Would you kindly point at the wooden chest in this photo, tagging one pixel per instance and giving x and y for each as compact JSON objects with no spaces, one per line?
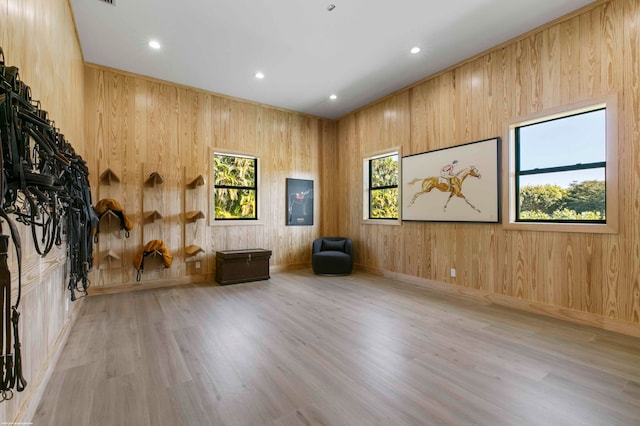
{"x":238,"y":266}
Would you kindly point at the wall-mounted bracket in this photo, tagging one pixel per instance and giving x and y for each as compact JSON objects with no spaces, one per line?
{"x":108,"y":177}
{"x":197,"y":181}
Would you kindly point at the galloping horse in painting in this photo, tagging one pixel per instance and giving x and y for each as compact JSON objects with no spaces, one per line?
{"x":454,"y":186}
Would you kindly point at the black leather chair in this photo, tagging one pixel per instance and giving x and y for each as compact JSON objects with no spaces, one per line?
{"x":332,"y":256}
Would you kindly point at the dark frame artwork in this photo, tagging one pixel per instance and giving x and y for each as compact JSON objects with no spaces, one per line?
{"x":456,"y":184}
{"x":299,"y":202}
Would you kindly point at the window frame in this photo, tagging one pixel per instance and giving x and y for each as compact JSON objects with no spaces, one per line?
{"x":511,"y":164}
{"x":235,"y":221}
{"x":367,"y":187}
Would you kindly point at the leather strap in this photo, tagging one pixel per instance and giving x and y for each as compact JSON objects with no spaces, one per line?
{"x":11,"y":363}
{"x":42,"y":182}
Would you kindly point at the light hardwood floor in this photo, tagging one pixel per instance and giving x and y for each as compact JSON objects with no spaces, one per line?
{"x":358,"y":350}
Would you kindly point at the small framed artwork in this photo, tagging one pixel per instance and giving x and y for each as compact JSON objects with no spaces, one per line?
{"x":299,"y":202}
{"x":457,"y":184}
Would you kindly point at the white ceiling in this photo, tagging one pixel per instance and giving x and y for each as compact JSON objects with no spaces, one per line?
{"x":359,"y":51}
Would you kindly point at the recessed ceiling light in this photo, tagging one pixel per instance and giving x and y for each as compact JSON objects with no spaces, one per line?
{"x":415,"y":50}
{"x":154,"y":44}
{"x":259,"y":75}
{"x":333,"y":97}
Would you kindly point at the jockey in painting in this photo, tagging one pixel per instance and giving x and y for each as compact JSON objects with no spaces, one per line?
{"x":446,"y":172}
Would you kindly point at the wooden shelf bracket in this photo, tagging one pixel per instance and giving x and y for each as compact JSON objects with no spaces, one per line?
{"x":197,"y":181}
{"x":193,"y":250}
{"x":108,"y":214}
{"x":110,"y":260}
{"x":194,"y":215}
{"x":154,"y":179}
{"x":150,"y":217}
{"x":108,"y":177}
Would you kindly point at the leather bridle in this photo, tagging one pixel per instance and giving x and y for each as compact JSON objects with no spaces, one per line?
{"x":44,"y":185}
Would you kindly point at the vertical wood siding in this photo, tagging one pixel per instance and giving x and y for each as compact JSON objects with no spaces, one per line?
{"x":592,"y":54}
{"x":139,"y":126}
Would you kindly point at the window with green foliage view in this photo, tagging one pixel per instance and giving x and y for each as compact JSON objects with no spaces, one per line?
{"x":383,"y":187}
{"x":561,"y":168}
{"x":235,"y":187}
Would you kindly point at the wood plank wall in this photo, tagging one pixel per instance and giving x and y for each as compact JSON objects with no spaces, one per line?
{"x":39,"y":37}
{"x":591,"y":54}
{"x":138,"y":125}
{"x":135,"y":124}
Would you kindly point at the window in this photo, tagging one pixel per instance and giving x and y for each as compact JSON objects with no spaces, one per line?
{"x":235,"y":187}
{"x":563,"y":169}
{"x":380,"y":178}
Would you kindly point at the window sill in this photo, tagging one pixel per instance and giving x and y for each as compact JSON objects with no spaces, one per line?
{"x":386,"y":222}
{"x":236,"y":223}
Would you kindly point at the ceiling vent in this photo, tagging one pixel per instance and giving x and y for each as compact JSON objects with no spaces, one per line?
{"x":111,"y":2}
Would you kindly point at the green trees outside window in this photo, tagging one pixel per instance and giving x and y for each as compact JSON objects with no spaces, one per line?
{"x":235,"y":187}
{"x":383,"y":187}
{"x":582,"y":201}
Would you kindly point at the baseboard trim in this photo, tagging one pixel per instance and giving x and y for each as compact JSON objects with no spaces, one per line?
{"x":285,"y":268}
{"x":147,"y":285}
{"x":572,"y":315}
{"x":196,"y":279}
{"x":37,"y":386}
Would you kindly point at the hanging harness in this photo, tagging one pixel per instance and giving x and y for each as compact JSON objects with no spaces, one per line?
{"x":152,"y":247}
{"x":10,"y":363}
{"x":81,"y":223}
{"x":44,"y":185}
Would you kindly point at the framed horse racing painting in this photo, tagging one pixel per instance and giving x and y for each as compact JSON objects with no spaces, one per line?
{"x":299,"y":202}
{"x":456,"y":184}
